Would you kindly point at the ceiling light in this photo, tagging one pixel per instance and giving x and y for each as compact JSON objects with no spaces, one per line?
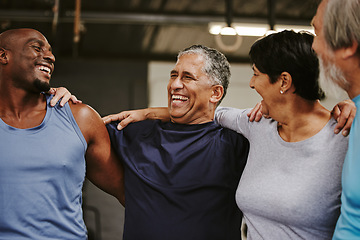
{"x":252,"y":29}
{"x":228,"y":31}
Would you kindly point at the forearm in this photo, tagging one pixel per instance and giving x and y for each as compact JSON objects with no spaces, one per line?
{"x":161,"y":113}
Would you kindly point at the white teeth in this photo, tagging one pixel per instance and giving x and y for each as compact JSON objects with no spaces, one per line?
{"x":179,"y":97}
{"x":45,"y":69}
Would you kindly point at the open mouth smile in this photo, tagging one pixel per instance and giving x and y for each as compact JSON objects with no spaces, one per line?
{"x":179,"y":98}
{"x":45,"y":69}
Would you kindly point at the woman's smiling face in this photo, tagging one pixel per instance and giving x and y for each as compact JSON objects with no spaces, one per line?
{"x":268,"y":91}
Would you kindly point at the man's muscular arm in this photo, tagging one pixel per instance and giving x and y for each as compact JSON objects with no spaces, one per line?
{"x":103,"y":168}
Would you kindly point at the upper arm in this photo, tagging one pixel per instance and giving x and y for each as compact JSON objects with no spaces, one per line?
{"x":103,"y":167}
{"x":233,"y":118}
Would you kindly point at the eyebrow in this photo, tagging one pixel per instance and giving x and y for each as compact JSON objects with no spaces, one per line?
{"x":185,"y":72}
{"x":189,"y":73}
{"x":40,"y":42}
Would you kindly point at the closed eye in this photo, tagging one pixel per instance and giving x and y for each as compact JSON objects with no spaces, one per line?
{"x":188,"y":77}
{"x":37,"y":48}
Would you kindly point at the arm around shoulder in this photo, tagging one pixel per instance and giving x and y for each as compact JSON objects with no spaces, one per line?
{"x":127,"y":117}
{"x":231,"y":118}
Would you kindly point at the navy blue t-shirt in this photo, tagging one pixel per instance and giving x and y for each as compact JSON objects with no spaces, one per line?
{"x":180,"y":180}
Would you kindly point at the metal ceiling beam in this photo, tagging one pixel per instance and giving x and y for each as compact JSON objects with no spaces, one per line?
{"x":132,"y":18}
{"x":271,"y":13}
{"x":229,"y":12}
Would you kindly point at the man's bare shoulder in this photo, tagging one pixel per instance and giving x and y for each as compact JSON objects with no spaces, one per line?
{"x":83,"y":111}
{"x":88,"y":120}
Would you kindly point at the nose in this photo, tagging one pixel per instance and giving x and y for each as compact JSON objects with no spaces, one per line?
{"x":251,"y":83}
{"x":49,"y":56}
{"x":175,"y":83}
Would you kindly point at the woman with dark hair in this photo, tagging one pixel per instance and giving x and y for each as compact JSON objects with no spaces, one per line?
{"x":291,"y":185}
{"x":289,"y":52}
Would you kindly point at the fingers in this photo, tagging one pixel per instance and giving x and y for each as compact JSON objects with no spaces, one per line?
{"x":74,"y":99}
{"x":52,"y":91}
{"x":111,"y":118}
{"x":336,"y":113}
{"x":252,"y":113}
{"x":345,"y":121}
{"x":344,"y":113}
{"x":65,"y":98}
{"x":106,"y":120}
{"x":345,"y":132}
{"x":259,"y":115}
{"x":125,"y":118}
{"x":60,"y":93}
{"x":124,"y":123}
{"x":255,"y":114}
{"x":63,"y":94}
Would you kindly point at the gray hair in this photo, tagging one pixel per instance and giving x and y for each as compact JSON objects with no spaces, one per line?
{"x":342,"y":23}
{"x":216,"y":66}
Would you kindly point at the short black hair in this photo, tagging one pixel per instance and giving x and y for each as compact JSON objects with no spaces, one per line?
{"x":291,"y":52}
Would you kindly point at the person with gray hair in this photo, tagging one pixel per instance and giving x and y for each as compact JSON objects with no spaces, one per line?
{"x":181,"y":176}
{"x":337,"y":43}
{"x":216,"y":65}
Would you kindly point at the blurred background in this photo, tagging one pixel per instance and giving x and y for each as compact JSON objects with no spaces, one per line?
{"x":117,"y":55}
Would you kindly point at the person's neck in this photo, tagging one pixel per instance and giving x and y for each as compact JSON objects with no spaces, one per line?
{"x":189,"y":120}
{"x":21,"y":109}
{"x":353,"y":79}
{"x":302,"y":120}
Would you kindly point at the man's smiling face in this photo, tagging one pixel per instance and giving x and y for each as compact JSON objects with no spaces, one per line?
{"x":31,"y":61}
{"x":189,"y":91}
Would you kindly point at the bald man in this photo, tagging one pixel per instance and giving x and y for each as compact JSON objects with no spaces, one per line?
{"x":45,"y":152}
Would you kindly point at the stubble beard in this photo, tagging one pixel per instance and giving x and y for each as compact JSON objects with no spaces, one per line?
{"x":42,"y":86}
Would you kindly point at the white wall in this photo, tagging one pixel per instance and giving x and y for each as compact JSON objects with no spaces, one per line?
{"x":239,"y":94}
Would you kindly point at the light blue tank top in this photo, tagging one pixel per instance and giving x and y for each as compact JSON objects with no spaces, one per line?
{"x":42,"y":170}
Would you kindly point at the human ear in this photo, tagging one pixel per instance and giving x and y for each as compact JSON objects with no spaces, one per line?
{"x":3,"y":56}
{"x":285,"y":81}
{"x":217,"y":93}
{"x":350,"y":51}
